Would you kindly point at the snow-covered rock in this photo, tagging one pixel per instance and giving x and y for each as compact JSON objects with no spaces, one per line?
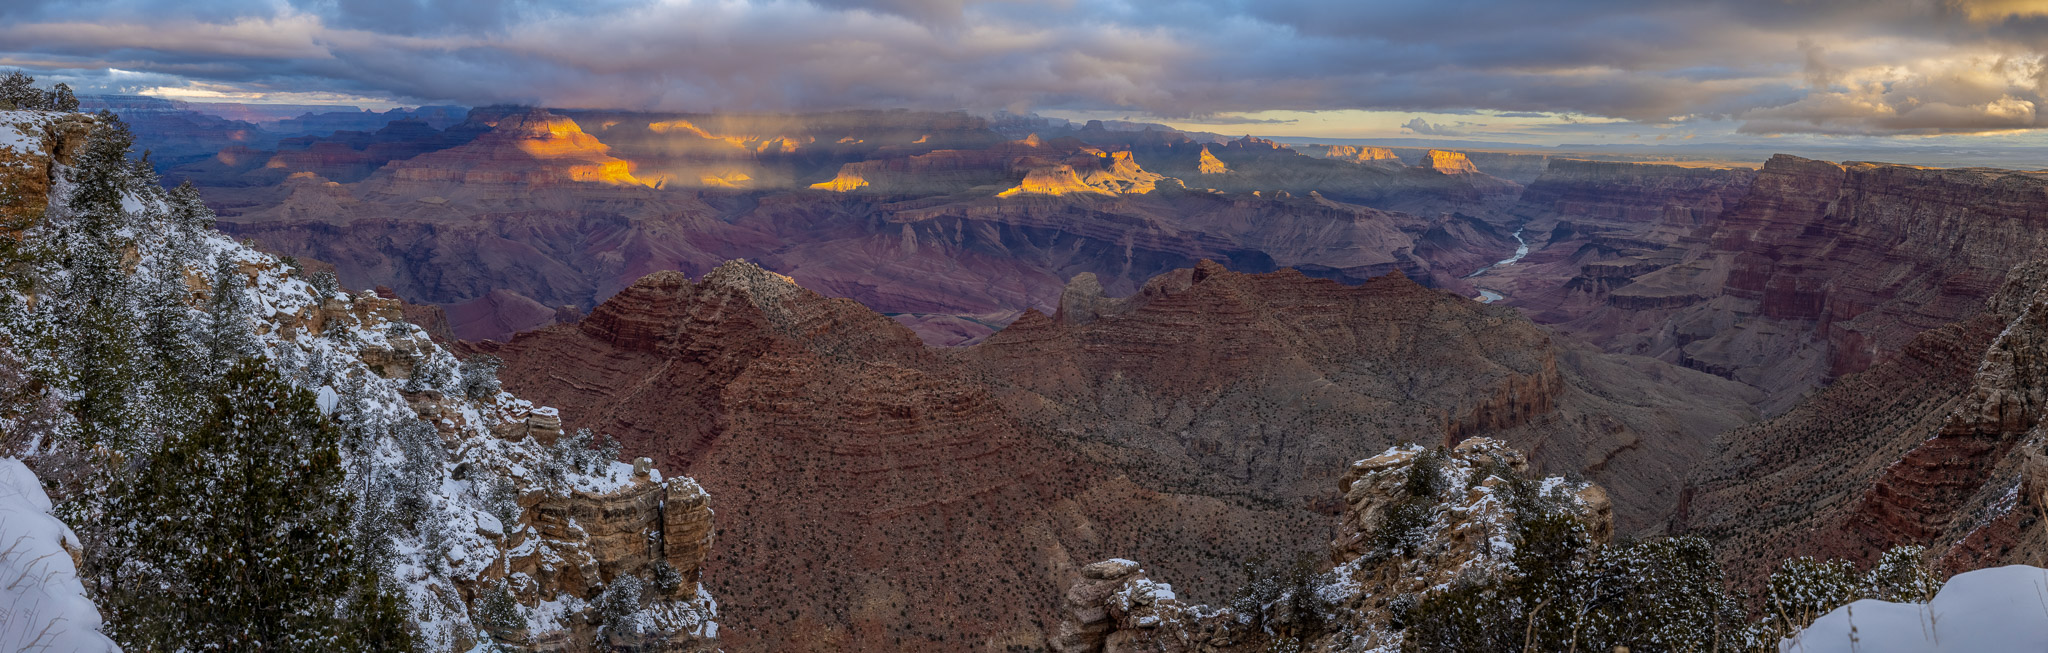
{"x":43,"y":606}
{"x":484,"y":472}
{"x":1989,"y":610}
{"x":1454,"y":516}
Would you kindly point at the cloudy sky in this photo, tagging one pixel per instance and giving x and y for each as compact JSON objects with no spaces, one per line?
{"x":1943,"y":71}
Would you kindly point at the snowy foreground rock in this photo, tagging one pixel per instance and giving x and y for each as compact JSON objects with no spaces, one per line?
{"x":501,"y":529}
{"x":1996,"y":609}
{"x":1456,"y":521}
{"x":43,"y":606}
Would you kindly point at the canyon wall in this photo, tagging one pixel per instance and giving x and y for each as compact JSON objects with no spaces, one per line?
{"x":1817,"y":271}
{"x":1940,"y":445}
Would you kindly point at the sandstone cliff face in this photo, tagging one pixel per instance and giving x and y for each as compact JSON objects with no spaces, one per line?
{"x":1361,"y":154}
{"x":1515,"y":167}
{"x":1115,"y":607}
{"x":40,"y":144}
{"x":566,"y":549}
{"x":1445,"y":162}
{"x":1208,"y":164}
{"x":1939,"y":445}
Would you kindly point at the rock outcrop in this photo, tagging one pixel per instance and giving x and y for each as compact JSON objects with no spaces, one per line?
{"x":1362,"y":154}
{"x":1208,"y":164}
{"x":1116,"y":607}
{"x":574,"y":532}
{"x":38,"y":144}
{"x":1445,"y":162}
{"x":1517,"y":167}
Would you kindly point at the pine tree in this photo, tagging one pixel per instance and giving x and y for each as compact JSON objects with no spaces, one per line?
{"x":480,"y":377}
{"x":228,"y":338}
{"x":1902,"y":575}
{"x":18,"y":91}
{"x":242,"y":529}
{"x":1803,"y":589}
{"x":61,"y":98}
{"x":100,"y":347}
{"x":169,"y":355}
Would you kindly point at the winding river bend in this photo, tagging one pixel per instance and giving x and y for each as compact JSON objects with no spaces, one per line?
{"x":1521,"y":250}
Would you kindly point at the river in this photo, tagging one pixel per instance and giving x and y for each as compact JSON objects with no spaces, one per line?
{"x":1521,"y":250}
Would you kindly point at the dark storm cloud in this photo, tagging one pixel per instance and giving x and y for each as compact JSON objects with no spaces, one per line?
{"x":1818,"y":66}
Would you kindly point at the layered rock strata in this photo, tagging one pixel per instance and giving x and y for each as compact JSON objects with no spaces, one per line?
{"x":1940,"y":445}
{"x":1822,"y":269}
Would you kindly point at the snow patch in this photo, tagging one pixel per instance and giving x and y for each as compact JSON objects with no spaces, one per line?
{"x":1996,"y":609}
{"x":42,"y":603}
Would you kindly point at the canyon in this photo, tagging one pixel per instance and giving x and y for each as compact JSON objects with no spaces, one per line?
{"x":932,"y":217}
{"x":1007,"y":348}
{"x":1197,"y":422}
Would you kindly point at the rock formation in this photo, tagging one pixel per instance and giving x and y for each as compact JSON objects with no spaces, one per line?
{"x":38,"y":144}
{"x":1513,"y":166}
{"x":1208,"y":164}
{"x":1115,"y":607}
{"x":569,"y":538}
{"x":1448,"y":163}
{"x":840,"y":447}
{"x":1361,"y":154}
{"x":1101,"y":173}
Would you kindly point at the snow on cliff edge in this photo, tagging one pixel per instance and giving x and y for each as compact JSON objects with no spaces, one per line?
{"x":42,"y":604}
